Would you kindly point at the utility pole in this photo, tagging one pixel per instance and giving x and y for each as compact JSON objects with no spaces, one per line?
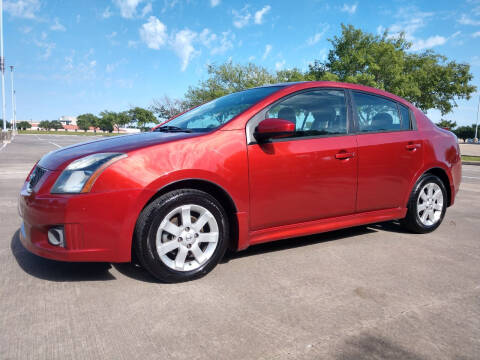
{"x":2,"y":66}
{"x":14,"y":105}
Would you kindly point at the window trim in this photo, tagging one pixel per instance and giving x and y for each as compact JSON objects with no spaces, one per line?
{"x":263,"y":112}
{"x":413,"y":126}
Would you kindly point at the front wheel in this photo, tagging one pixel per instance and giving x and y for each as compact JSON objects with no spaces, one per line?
{"x":181,"y":235}
{"x":427,"y":205}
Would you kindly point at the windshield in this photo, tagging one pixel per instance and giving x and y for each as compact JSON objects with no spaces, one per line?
{"x":215,"y":113}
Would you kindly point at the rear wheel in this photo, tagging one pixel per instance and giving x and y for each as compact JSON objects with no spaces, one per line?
{"x":181,"y":235}
{"x":427,"y":205}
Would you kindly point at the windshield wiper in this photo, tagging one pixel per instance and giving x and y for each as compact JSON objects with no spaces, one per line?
{"x":169,"y":128}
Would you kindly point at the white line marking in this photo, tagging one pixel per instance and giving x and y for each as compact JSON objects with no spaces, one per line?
{"x":3,"y":146}
{"x":54,"y":144}
{"x":471,"y":177}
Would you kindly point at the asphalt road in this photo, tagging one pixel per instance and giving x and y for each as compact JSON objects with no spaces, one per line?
{"x":367,"y":292}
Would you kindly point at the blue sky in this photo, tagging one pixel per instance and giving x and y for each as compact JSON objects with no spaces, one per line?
{"x":73,"y":57}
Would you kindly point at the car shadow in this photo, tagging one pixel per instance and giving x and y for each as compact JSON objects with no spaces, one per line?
{"x":287,"y":244}
{"x":52,"y":270}
{"x":369,"y":346}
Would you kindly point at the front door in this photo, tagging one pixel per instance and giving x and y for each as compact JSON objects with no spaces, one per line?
{"x":311,"y":175}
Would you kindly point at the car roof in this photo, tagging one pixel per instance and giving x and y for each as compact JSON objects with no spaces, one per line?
{"x":338,"y":84}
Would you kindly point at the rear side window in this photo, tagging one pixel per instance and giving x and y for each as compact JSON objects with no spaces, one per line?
{"x":405,"y":114}
{"x":376,"y":114}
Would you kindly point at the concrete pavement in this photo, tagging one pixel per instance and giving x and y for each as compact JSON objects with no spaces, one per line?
{"x":362,"y":293}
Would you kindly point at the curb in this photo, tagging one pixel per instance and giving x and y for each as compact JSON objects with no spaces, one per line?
{"x":471,"y":163}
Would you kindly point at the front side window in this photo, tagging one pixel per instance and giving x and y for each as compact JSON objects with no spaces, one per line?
{"x":376,"y":114}
{"x":215,"y":113}
{"x":318,"y":112}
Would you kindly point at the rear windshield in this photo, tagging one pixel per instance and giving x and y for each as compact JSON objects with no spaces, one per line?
{"x":217,"y":112}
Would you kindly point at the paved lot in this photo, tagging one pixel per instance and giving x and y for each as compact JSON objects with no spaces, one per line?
{"x":470,"y":149}
{"x":368,"y":292}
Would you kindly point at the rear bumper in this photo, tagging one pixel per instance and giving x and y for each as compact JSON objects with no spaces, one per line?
{"x":98,"y":227}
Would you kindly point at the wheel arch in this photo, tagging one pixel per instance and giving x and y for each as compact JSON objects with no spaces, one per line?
{"x":213,"y":189}
{"x":442,"y":174}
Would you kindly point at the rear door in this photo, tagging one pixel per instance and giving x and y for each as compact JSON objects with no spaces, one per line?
{"x":309,"y":176}
{"x":389,"y":151}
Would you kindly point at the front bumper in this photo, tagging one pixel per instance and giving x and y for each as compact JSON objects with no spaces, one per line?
{"x":98,"y":226}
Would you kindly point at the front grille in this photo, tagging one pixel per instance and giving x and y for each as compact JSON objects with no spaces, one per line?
{"x":36,"y":175}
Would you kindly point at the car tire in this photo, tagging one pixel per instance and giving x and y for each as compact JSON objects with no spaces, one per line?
{"x":181,"y":235}
{"x":426,"y":206}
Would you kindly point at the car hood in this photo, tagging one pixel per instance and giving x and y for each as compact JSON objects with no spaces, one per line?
{"x":59,"y":158}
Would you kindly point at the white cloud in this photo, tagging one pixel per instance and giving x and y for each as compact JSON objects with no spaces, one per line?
{"x":107,"y":13}
{"x":154,"y":33}
{"x":22,"y":8}
{"x":476,"y":34}
{"x":111,"y":37}
{"x":57,"y":26}
{"x":420,"y":44}
{"x":113,"y":66}
{"x":132,"y":44}
{"x":183,"y":47}
{"x":147,"y":9}
{"x":260,"y":13}
{"x":268,"y":49}
{"x":128,"y":8}
{"x":412,"y":20}
{"x":351,"y":9}
{"x":45,"y":45}
{"x":466,"y":20}
{"x":214,"y":3}
{"x":279,"y":65}
{"x":207,"y":37}
{"x":184,"y":42}
{"x":226,"y":43}
{"x":241,"y":18}
{"x":316,"y":37}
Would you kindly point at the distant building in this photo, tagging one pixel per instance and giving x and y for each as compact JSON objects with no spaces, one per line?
{"x":68,"y":120}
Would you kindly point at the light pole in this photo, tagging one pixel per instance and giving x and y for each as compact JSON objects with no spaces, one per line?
{"x":14,"y":106}
{"x":2,"y":66}
{"x":476,"y":128}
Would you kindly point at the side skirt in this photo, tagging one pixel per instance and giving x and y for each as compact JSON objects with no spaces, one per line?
{"x":324,"y":225}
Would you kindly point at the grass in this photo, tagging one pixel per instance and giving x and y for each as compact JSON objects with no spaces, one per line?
{"x":82,"y":133}
{"x":470,"y":158}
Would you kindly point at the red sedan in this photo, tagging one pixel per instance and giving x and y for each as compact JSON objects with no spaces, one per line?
{"x":258,"y":165}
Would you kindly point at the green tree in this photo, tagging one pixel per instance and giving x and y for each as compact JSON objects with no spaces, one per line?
{"x":142,"y":117}
{"x":290,"y":75}
{"x":121,"y":119}
{"x":23,"y":125}
{"x":447,"y":124}
{"x":106,"y":120}
{"x":85,"y":121}
{"x":225,"y":79}
{"x":465,"y":132}
{"x":44,"y":124}
{"x":166,"y":108}
{"x":426,"y":79}
{"x":55,"y":124}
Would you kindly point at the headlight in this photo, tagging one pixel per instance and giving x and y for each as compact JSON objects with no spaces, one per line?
{"x":80,"y":175}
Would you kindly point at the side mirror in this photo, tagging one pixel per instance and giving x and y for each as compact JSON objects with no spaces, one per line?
{"x":274,"y":128}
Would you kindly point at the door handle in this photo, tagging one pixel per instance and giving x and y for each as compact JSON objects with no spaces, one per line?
{"x":344,"y":155}
{"x":412,"y":146}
